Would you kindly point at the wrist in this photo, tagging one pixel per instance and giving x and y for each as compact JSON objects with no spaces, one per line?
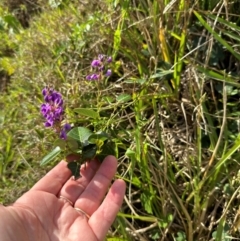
{"x":11,"y":225}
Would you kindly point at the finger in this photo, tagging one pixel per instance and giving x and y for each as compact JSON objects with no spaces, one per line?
{"x":94,"y":193}
{"x":53,"y":181}
{"x":102,"y":219}
{"x":72,"y":189}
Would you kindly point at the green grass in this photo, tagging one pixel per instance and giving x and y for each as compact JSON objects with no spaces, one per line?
{"x":171,"y":106}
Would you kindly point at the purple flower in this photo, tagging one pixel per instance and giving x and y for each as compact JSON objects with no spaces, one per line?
{"x":45,"y":109}
{"x":65,"y":129}
{"x":63,"y":135}
{"x":100,"y":65}
{"x":95,"y":76}
{"x":109,"y":60}
{"x":96,"y":63}
{"x":49,"y":123}
{"x":89,"y":77}
{"x":108,"y":73}
{"x":44,"y":91}
{"x":56,"y":97}
{"x":53,"y":111}
{"x":101,"y":68}
{"x":101,"y":57}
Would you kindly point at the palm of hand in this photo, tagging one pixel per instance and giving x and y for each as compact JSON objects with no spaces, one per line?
{"x":53,"y":219}
{"x":47,"y":217}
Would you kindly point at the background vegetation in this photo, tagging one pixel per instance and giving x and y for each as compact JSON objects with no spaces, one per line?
{"x":171,"y":105}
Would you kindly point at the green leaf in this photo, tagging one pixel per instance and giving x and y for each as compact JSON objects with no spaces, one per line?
{"x":106,"y":150}
{"x":87,"y":112}
{"x":50,"y":156}
{"x":225,"y":22}
{"x":73,"y":145}
{"x":135,"y":81}
{"x":155,"y":235}
{"x":60,"y":142}
{"x":220,"y":75}
{"x":89,"y":152}
{"x":181,"y":236}
{"x":222,"y":231}
{"x":124,"y":98}
{"x":130,"y":153}
{"x":162,"y":73}
{"x":225,"y":157}
{"x":216,"y":35}
{"x":40,"y":133}
{"x":135,"y":181}
{"x":108,"y":99}
{"x":12,"y":22}
{"x":146,"y":199}
{"x":117,"y":39}
{"x":80,"y":134}
{"x":229,"y":153}
{"x":74,"y":167}
{"x":100,"y":136}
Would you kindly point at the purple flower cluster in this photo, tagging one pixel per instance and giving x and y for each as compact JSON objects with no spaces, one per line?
{"x":100,"y":67}
{"x":53,"y":111}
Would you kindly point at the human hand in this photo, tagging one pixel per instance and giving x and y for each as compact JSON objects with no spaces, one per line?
{"x":41,"y":215}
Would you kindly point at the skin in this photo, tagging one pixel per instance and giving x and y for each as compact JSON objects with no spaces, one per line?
{"x":40,"y":215}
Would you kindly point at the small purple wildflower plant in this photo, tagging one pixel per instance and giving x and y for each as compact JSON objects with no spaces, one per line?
{"x":100,"y":66}
{"x":81,"y":144}
{"x":53,"y":111}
